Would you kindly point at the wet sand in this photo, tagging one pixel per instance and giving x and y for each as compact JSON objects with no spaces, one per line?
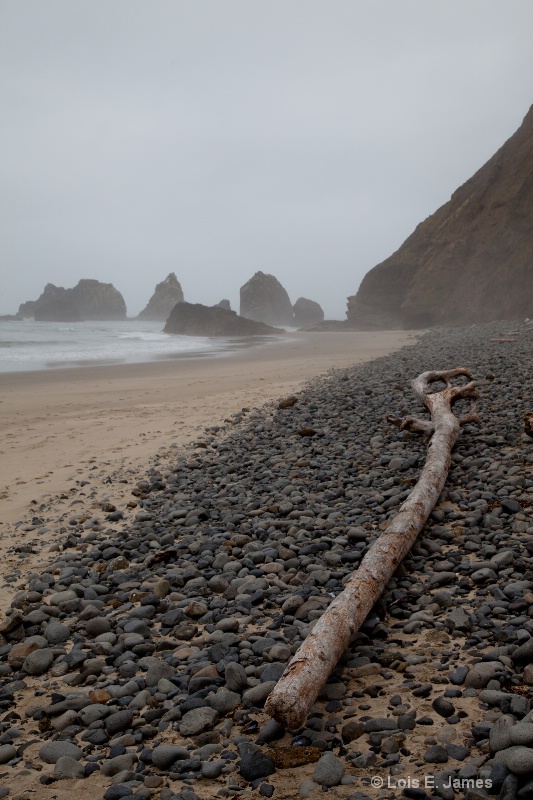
{"x":59,"y":424}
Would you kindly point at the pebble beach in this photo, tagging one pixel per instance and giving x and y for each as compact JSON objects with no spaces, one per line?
{"x":141,"y":638}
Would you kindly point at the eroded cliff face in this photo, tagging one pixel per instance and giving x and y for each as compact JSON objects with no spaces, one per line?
{"x":166,"y":295}
{"x":471,"y":261}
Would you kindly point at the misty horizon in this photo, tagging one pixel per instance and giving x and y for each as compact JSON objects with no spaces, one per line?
{"x":215,"y":140}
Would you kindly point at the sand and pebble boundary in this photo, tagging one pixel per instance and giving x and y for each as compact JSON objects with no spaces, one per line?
{"x":137,"y":662}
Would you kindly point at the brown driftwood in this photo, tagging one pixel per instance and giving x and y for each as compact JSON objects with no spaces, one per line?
{"x":307,"y":672}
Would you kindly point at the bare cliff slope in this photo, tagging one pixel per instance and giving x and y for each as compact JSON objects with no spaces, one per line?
{"x":470,"y":261}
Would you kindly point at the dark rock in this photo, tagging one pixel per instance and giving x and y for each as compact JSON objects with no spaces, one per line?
{"x":52,"y":751}
{"x":436,"y":754}
{"x":443,"y":707}
{"x":120,"y":721}
{"x":189,"y":319}
{"x":88,"y":300}
{"x":166,"y":295}
{"x":254,"y":763}
{"x":329,"y":770}
{"x":38,"y":662}
{"x":264,"y":299}
{"x":306,"y":313}
{"x":164,"y":755}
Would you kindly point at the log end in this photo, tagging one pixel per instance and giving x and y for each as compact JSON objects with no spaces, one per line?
{"x":290,"y":715}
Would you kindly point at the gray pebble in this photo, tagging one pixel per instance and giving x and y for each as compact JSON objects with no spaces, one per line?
{"x":7,"y":753}
{"x":329,"y":770}
{"x":38,"y":662}
{"x":52,"y":751}
{"x":164,"y":755}
{"x":68,"y":767}
{"x":197,"y":721}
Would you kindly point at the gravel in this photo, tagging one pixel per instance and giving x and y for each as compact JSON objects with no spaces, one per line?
{"x":152,"y":640}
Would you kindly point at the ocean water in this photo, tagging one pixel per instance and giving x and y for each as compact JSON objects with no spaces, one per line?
{"x":29,"y":345}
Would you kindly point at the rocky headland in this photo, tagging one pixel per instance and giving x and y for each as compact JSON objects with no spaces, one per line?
{"x":140,"y":644}
{"x":88,"y":300}
{"x":195,"y":319}
{"x":470,"y":261}
{"x":166,"y":295}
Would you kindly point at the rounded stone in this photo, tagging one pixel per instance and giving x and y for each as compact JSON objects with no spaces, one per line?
{"x":7,"y":753}
{"x":329,"y":770}
{"x":443,"y":707}
{"x":38,"y":662}
{"x":118,"y":722}
{"x":212,"y":769}
{"x":156,"y":672}
{"x":197,"y":721}
{"x":68,"y":767}
{"x":517,"y":759}
{"x":255,"y":763}
{"x":118,"y":764}
{"x":164,"y":755}
{"x":56,"y":633}
{"x":436,"y":754}
{"x":51,"y":752}
{"x":522,"y":733}
{"x":97,"y":625}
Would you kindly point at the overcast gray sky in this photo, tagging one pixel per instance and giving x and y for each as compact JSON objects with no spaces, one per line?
{"x":215,"y":138}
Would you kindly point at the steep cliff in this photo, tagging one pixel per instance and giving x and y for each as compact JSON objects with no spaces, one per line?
{"x":166,"y":295}
{"x":89,"y":300}
{"x":264,"y":299}
{"x":471,"y":261}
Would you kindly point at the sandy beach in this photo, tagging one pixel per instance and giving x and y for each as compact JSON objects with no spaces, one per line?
{"x":62,"y":426}
{"x":161,"y":575}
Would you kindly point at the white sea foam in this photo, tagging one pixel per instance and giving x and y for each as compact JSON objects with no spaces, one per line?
{"x":30,"y":345}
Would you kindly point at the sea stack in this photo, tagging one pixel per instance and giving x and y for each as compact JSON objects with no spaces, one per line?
{"x":264,"y":299}
{"x":166,"y":295}
{"x":195,"y":319}
{"x":88,"y":300}
{"x":307,"y":313}
{"x":469,"y":262}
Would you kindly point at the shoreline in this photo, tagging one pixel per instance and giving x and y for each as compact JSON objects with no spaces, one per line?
{"x":61,"y":423}
{"x":171,"y":624}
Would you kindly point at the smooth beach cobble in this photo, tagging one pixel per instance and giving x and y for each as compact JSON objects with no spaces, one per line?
{"x":152,"y":640}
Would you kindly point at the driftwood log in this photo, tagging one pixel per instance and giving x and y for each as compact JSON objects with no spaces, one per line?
{"x":307,"y":672}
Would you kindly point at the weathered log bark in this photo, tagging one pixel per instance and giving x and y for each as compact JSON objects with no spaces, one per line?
{"x":290,"y":701}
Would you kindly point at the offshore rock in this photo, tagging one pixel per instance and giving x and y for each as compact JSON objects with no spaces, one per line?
{"x":306,"y":313}
{"x":264,"y":299}
{"x":470,"y":261}
{"x":166,"y":295}
{"x":89,"y":300}
{"x":195,"y":319}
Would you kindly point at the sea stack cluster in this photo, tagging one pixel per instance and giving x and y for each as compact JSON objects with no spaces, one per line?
{"x":137,"y":662}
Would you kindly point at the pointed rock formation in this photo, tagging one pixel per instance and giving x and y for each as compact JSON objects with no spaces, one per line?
{"x":471,"y":261}
{"x":306,"y":313}
{"x":264,"y":299}
{"x":194,"y":319}
{"x":165,"y":296}
{"x":89,"y":300}
{"x":224,"y":304}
